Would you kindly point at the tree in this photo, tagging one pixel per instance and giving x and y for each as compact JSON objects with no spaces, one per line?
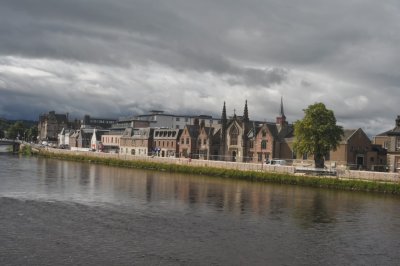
{"x":31,"y":134}
{"x":16,"y":130}
{"x":317,"y":133}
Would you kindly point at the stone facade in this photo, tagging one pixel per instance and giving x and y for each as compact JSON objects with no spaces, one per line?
{"x":165,"y":142}
{"x":391,"y":141}
{"x":110,"y":142}
{"x":357,"y":151}
{"x":243,"y":140}
{"x":50,"y":125}
{"x":137,"y":141}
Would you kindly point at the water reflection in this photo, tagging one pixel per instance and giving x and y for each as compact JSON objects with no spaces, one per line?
{"x":95,"y":183}
{"x":231,"y":221}
{"x":117,"y":185}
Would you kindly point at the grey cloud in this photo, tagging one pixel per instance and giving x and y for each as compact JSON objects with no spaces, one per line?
{"x":331,"y":51}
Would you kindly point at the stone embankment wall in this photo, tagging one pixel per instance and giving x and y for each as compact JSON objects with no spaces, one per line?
{"x":345,"y":174}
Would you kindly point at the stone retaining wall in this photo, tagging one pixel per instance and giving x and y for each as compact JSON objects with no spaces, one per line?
{"x":345,"y":174}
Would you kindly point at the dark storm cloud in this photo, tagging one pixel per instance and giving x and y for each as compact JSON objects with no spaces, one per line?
{"x":118,"y":57}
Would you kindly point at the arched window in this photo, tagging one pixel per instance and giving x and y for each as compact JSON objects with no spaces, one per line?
{"x":234,"y":133}
{"x":263,"y":144}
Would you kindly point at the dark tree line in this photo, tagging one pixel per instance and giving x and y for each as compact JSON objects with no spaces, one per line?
{"x":18,"y":130}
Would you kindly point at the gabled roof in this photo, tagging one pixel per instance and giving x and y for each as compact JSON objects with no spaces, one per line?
{"x":194,"y":130}
{"x":349,"y":133}
{"x":286,"y":132}
{"x":208,"y":130}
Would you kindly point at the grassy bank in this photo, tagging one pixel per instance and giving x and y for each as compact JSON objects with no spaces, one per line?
{"x":310,"y":181}
{"x":25,"y":150}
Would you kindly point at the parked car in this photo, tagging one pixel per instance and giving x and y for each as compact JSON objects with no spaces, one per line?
{"x":276,"y":162}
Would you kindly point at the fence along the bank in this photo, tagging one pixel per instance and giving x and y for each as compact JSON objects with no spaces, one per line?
{"x":345,"y":174}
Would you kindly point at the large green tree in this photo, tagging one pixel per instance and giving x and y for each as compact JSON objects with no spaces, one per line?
{"x":317,"y":133}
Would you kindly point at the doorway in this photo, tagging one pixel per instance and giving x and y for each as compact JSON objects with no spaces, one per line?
{"x":360,"y":161}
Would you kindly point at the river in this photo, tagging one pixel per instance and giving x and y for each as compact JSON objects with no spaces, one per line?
{"x":57,"y":212}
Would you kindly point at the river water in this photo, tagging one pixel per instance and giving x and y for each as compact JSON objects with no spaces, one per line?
{"x":67,"y":213}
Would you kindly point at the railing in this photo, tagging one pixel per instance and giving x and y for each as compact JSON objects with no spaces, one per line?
{"x":342,"y":174}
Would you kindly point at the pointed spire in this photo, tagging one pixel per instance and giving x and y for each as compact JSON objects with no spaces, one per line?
{"x":282,"y":113}
{"x":281,"y":119}
{"x":224,"y":120}
{"x":245,"y":113}
{"x":223,"y":117}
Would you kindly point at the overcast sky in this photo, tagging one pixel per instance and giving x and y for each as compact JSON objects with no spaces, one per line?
{"x":126,"y":57}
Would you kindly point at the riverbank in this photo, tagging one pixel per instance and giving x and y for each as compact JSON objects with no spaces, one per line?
{"x":286,"y":176}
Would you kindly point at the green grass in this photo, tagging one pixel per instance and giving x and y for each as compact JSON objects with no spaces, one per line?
{"x":254,"y":176}
{"x":25,"y":150}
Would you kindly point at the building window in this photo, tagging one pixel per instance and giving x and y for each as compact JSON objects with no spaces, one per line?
{"x":305,"y":156}
{"x":264,"y":133}
{"x":186,"y":119}
{"x":187,"y":140}
{"x":178,"y":119}
{"x":263,"y":144}
{"x":204,"y":141}
{"x":182,"y":141}
{"x":234,"y":135}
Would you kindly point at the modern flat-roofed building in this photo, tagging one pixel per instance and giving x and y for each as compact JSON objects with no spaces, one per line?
{"x":159,"y":119}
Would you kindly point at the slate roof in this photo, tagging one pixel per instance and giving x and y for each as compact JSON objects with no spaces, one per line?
{"x":394,"y":131}
{"x":347,"y":135}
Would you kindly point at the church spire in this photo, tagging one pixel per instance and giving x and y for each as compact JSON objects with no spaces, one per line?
{"x":223,"y":117}
{"x":282,"y":113}
{"x":224,"y":125}
{"x":245,"y":113}
{"x":281,"y":119}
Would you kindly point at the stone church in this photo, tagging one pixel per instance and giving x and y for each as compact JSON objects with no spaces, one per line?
{"x":240,"y":139}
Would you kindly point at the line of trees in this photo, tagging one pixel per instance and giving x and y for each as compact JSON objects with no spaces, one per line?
{"x":27,"y":131}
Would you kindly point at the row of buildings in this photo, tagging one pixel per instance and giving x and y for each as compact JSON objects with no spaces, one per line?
{"x":228,"y":138}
